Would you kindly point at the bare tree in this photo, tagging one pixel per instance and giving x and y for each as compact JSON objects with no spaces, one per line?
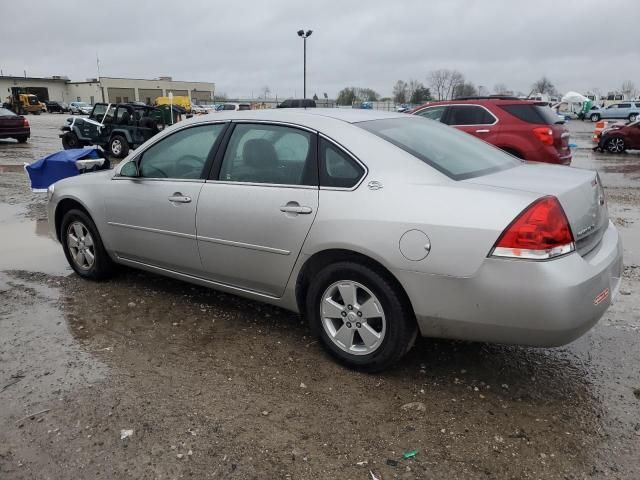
{"x":412,"y":86}
{"x":465,"y":89}
{"x":444,"y":82}
{"x":500,"y":89}
{"x":400,"y":91}
{"x":543,"y":85}
{"x":265,"y":91}
{"x":628,"y":89}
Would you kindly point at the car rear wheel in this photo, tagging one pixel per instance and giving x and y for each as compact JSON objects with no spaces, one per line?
{"x":363,"y":319}
{"x":632,"y":117}
{"x":594,"y":117}
{"x":22,"y":139}
{"x":83,"y":246}
{"x":118,"y":146}
{"x":70,"y":140}
{"x":615,"y":145}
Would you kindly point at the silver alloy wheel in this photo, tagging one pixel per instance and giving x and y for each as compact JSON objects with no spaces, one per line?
{"x":352,"y":317}
{"x":615,"y":145}
{"x":116,"y":147}
{"x":80,"y":244}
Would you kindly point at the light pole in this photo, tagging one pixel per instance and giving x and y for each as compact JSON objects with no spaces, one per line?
{"x":304,"y":35}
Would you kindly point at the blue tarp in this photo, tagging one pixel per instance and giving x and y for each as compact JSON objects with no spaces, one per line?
{"x":57,"y":166}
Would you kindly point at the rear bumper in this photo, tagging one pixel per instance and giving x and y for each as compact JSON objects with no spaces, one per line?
{"x":547,"y":303}
{"x":17,"y":132}
{"x":549,"y":154}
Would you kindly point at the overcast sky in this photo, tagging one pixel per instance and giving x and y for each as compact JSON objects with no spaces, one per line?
{"x":244,"y":45}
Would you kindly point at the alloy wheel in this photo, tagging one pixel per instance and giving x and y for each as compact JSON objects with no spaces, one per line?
{"x":615,"y":145}
{"x":80,"y":244}
{"x":116,"y":147}
{"x":352,"y":317}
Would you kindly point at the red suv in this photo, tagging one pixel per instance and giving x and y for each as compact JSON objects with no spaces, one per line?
{"x":527,"y":129}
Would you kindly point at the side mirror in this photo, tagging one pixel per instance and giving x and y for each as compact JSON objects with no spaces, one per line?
{"x":130,"y":169}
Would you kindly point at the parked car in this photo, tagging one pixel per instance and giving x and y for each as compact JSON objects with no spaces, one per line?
{"x":14,"y":126}
{"x":529,"y":130}
{"x":233,"y":106}
{"x":376,"y":225}
{"x":53,"y":106}
{"x":198,"y":109}
{"x":618,"y":137}
{"x":629,"y":110}
{"x":114,"y":127}
{"x":81,"y":108}
{"x":298,"y":103}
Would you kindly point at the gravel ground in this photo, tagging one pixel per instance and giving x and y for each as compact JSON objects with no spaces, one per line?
{"x":215,"y":386}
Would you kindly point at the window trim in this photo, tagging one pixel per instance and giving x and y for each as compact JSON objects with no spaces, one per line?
{"x":214,"y":174}
{"x":448,"y":112}
{"x":206,"y":169}
{"x":349,"y":154}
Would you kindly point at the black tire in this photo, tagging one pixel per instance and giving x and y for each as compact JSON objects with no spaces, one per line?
{"x":615,"y":145}
{"x":633,"y":117}
{"x":22,"y":139}
{"x":401,"y":327}
{"x":120,"y":144}
{"x":594,"y":117}
{"x":102,"y":266}
{"x":70,"y":140}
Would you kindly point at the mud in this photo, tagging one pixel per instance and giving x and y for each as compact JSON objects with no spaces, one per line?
{"x":215,"y":386}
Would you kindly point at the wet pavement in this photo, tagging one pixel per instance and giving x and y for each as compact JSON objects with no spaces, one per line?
{"x":215,"y":386}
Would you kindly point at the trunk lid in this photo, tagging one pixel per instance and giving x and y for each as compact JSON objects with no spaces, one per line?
{"x":11,"y":121}
{"x":579,"y":191}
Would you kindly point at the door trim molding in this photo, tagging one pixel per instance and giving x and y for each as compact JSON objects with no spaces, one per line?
{"x":153,"y":230}
{"x":248,"y":246}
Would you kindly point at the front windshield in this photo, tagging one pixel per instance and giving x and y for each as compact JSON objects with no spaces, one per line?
{"x":454,"y":153}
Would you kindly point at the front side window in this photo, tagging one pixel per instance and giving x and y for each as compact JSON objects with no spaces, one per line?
{"x":337,"y":169}
{"x":269,"y":154}
{"x":432,"y":113}
{"x":181,"y":155}
{"x":469,"y":115}
{"x":449,"y":150}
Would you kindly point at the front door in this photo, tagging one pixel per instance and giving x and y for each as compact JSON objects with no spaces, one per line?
{"x":152,"y":217}
{"x":254,"y":216}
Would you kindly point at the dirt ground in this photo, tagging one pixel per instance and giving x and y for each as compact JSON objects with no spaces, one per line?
{"x":214,"y":386}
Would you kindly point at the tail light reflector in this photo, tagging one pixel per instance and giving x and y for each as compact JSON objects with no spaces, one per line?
{"x":25,"y":122}
{"x":540,"y":232}
{"x":544,"y":134}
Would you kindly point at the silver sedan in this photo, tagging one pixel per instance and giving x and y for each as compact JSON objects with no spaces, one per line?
{"x":376,"y":226}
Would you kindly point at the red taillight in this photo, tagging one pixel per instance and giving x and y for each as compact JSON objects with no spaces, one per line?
{"x":25,"y":122}
{"x":540,"y":232}
{"x":544,"y":134}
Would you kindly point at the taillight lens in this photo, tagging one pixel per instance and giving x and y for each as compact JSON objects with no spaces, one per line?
{"x":25,"y":122}
{"x":540,"y":232}
{"x":544,"y":134}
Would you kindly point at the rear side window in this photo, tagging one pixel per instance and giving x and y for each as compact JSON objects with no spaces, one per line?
{"x":337,"y":168}
{"x":624,"y":105}
{"x":244,"y":107}
{"x":532,"y":113}
{"x":449,"y":150}
{"x":432,"y":113}
{"x":468,"y":115}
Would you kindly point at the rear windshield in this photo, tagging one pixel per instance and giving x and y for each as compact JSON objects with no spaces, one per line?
{"x":6,"y":113}
{"x":454,"y":153}
{"x":531,"y":113}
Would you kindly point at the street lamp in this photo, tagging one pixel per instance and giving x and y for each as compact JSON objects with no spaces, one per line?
{"x":304,"y":35}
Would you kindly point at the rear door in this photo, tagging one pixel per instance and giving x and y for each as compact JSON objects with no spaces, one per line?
{"x":475,"y":120}
{"x":255,"y":213}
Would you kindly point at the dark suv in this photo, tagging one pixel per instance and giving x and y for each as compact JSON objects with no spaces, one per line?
{"x":527,"y":129}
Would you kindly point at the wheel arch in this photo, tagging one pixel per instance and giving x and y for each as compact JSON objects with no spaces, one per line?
{"x":320,"y":259}
{"x":63,"y":207}
{"x":122,"y":132}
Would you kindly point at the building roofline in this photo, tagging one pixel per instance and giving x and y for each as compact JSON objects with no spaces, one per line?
{"x":49,"y":79}
{"x":154,"y":80}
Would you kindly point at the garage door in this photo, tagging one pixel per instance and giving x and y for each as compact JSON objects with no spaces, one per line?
{"x":149,"y":95}
{"x":117,"y":95}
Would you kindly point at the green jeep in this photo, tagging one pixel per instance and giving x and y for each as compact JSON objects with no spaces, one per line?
{"x":114,"y":127}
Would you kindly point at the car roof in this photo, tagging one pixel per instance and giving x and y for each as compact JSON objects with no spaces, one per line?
{"x":304,"y":115}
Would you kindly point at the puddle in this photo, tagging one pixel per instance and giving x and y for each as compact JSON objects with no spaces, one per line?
{"x":26,"y":244}
{"x":11,"y":168}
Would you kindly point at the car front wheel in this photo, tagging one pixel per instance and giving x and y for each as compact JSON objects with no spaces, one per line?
{"x":594,"y":117}
{"x":83,"y":246}
{"x":363,"y":319}
{"x":615,"y":145}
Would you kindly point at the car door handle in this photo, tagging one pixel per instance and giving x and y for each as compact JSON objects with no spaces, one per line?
{"x":483,"y":131}
{"x":296,"y":209}
{"x":179,"y":198}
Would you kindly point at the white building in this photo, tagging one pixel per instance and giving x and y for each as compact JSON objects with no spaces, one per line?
{"x":108,"y":89}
